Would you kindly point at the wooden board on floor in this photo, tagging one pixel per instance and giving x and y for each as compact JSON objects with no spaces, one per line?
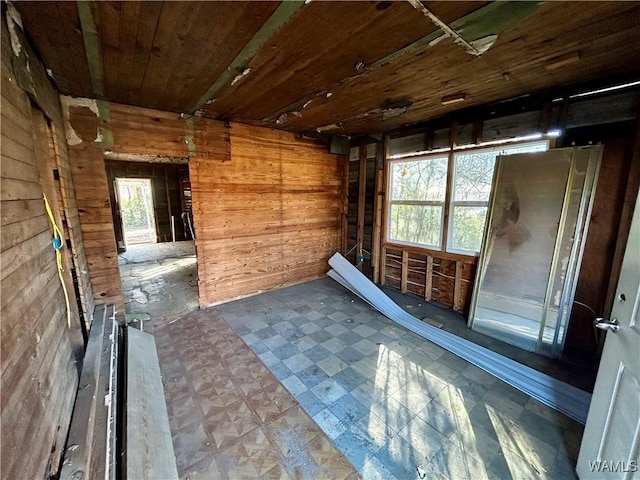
{"x":149,"y":445}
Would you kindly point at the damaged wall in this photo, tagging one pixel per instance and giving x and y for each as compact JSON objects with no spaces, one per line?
{"x":95,"y":130}
{"x":267,"y":217}
{"x":41,"y":352}
{"x":266,"y":205}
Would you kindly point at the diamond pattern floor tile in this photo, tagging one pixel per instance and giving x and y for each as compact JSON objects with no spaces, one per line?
{"x":230,"y":418}
{"x":388,"y":400}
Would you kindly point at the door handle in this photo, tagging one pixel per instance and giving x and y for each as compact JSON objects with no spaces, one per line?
{"x":607,"y":325}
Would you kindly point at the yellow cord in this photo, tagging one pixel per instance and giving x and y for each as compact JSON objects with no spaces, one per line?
{"x":58,"y":234}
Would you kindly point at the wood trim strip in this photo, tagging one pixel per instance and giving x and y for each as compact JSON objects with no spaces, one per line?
{"x":404,"y":272}
{"x":457,"y":287}
{"x":362,"y":190}
{"x":435,"y":253}
{"x":428,"y":279}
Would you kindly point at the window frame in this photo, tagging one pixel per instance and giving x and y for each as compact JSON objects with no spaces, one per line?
{"x":449,"y":203}
{"x":429,"y":203}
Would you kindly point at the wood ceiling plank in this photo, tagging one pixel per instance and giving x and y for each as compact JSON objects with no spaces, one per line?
{"x":54,"y":30}
{"x":129,"y":21}
{"x":50,"y":42}
{"x":107,"y":19}
{"x":521,"y":52}
{"x":148,"y":21}
{"x":180,"y":49}
{"x":321,"y":48}
{"x":232,"y":25}
{"x":239,"y":66}
{"x":174,"y":23}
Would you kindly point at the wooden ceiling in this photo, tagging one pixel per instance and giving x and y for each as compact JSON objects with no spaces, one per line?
{"x":337,"y":67}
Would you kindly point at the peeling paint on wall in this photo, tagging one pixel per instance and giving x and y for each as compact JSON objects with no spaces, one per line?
{"x":188,"y":138}
{"x":13,"y":19}
{"x":67,"y":103}
{"x":144,"y":157}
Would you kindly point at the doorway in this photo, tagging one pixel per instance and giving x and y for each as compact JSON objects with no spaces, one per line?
{"x":151,"y":208}
{"x":136,"y":209}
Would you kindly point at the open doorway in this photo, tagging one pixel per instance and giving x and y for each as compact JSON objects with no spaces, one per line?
{"x":136,"y":209}
{"x":151,"y":208}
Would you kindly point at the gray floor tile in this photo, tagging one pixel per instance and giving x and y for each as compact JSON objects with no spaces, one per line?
{"x":285,"y":351}
{"x":423,"y":437}
{"x":374,"y":469}
{"x":304,"y":344}
{"x":332,"y":365}
{"x":401,"y":459}
{"x":328,"y":391}
{"x":393,"y":413}
{"x":310,"y":403}
{"x":264,"y":333}
{"x":366,"y":347}
{"x":294,"y":385}
{"x":357,"y":449}
{"x":452,"y":462}
{"x":312,"y":376}
{"x":320,"y":336}
{"x":317,"y":353}
{"x":349,"y":378}
{"x":350,"y":338}
{"x":329,"y":423}
{"x":280,"y":370}
{"x":309,"y":328}
{"x":275,"y":341}
{"x":364,"y":330}
{"x":348,"y":409}
{"x":349,"y":355}
{"x":333,"y":345}
{"x":377,"y":389}
{"x":298,"y":362}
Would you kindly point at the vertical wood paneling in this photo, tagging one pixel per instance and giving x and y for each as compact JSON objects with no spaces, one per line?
{"x":270,"y":216}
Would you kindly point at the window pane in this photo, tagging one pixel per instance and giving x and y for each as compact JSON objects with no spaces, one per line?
{"x":420,"y":224}
{"x":419,"y":179}
{"x":468,"y":226}
{"x":474,"y":170}
{"x":473,"y":176}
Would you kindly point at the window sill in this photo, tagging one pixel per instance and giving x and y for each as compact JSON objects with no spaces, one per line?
{"x":457,"y":257}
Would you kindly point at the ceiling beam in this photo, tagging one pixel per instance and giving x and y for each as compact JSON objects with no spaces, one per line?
{"x":92,"y":47}
{"x":239,"y":67}
{"x":457,"y":38}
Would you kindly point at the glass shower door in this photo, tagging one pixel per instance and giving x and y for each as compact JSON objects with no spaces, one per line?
{"x":532,"y":247}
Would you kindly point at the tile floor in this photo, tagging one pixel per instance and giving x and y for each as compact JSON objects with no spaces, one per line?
{"x":396,"y":405}
{"x":576,"y":368}
{"x":230,"y":418}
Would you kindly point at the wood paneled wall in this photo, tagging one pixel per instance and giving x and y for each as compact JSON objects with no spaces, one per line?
{"x":266,"y":205}
{"x":40,"y":353}
{"x":267,"y":216}
{"x":97,"y":129}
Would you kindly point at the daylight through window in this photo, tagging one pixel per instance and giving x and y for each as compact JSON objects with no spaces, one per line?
{"x":418,"y":188}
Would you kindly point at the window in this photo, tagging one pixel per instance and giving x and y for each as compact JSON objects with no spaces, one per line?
{"x":418,"y":188}
{"x":417,"y":197}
